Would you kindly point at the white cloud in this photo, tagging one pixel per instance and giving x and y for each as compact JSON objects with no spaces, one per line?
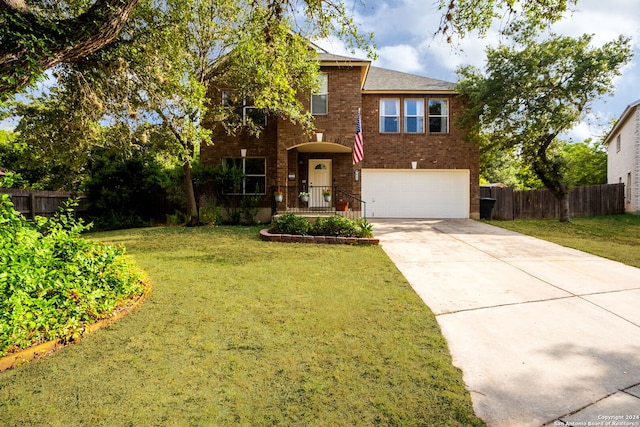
{"x":594,"y":125}
{"x":405,"y":20}
{"x":580,"y":132}
{"x":333,"y":45}
{"x":403,"y":58}
{"x":469,"y":51}
{"x":604,"y":20}
{"x":8,"y":124}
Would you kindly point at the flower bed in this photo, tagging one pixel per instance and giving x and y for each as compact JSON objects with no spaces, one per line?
{"x":268,"y":236}
{"x":334,"y":229}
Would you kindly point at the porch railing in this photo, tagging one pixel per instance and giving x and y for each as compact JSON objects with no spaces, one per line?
{"x":318,"y":202}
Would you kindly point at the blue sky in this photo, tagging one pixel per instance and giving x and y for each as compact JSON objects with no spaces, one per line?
{"x":404,"y":35}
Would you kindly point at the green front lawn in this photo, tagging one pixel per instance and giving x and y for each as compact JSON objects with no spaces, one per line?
{"x":616,"y":237}
{"x":242,"y":332}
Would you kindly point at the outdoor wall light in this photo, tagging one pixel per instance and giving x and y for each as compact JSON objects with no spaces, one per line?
{"x":356,"y":175}
{"x":243,"y":152}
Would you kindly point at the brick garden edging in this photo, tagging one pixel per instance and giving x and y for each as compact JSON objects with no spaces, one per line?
{"x":298,"y":238}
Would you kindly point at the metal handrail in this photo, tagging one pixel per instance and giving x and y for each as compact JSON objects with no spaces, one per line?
{"x":353,"y":200}
{"x":316,"y":203}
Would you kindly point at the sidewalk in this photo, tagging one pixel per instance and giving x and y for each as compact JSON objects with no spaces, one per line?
{"x":544,"y":335}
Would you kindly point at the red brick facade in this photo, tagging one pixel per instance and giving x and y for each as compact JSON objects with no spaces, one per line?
{"x":430,"y":150}
{"x":287,"y":150}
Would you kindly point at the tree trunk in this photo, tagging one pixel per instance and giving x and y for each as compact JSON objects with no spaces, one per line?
{"x":32,"y":44}
{"x":550,"y":172}
{"x":564,"y":209}
{"x":192,"y":207}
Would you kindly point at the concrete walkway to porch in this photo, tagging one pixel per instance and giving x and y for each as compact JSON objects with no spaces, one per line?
{"x":544,"y":335}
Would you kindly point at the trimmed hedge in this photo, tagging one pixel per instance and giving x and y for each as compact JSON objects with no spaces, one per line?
{"x":289,"y":223}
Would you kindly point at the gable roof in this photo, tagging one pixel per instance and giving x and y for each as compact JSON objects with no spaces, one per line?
{"x":623,"y":118}
{"x":384,"y":80}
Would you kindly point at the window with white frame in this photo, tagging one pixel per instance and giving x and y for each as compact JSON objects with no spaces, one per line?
{"x":414,"y":115}
{"x":438,"y":116}
{"x":319,"y":100}
{"x":250,"y":176}
{"x":618,"y":143}
{"x":389,"y":115}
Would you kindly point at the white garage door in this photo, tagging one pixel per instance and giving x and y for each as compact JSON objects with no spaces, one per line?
{"x":416,"y":193}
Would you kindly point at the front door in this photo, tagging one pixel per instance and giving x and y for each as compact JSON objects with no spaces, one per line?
{"x":319,"y":179}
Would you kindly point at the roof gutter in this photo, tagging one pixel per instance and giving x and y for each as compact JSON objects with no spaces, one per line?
{"x":411,"y":92}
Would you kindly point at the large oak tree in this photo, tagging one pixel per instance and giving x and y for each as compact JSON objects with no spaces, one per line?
{"x":533,"y":91}
{"x":170,"y":52}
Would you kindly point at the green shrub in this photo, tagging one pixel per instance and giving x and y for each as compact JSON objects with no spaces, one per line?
{"x":177,"y":218}
{"x":324,"y":226}
{"x":249,"y":209}
{"x":12,"y":180}
{"x":289,"y":223}
{"x":211,"y":214}
{"x":364,"y":228}
{"x":335,"y":226}
{"x":52,"y":281}
{"x":126,"y":192}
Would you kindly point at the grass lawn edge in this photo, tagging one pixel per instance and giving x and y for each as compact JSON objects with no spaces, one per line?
{"x":36,"y":351}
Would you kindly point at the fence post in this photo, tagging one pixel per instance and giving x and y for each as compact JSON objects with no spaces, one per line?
{"x":32,"y":205}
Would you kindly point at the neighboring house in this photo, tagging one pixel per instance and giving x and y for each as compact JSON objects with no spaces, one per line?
{"x":623,"y":161}
{"x":416,"y":164}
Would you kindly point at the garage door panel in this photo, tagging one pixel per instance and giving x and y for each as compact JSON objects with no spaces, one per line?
{"x":416,"y":193}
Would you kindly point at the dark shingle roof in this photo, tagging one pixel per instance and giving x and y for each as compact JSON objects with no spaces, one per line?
{"x":381,"y":79}
{"x":330,"y":57}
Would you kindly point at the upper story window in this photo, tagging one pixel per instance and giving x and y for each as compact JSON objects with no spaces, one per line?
{"x":243,"y":110}
{"x":438,"y":116}
{"x":319,"y":100}
{"x":389,"y":115}
{"x":227,"y":98}
{"x":253,"y":179}
{"x":618,"y":143}
{"x":414,"y":115}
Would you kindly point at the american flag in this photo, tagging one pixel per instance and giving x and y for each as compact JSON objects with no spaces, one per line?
{"x":358,"y":150}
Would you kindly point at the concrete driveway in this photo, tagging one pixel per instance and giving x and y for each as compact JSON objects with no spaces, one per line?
{"x":544,"y":335}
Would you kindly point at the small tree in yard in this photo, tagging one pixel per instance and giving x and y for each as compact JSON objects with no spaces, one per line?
{"x":532,"y":92}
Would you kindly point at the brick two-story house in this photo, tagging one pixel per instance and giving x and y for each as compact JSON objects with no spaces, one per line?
{"x":416,"y":163}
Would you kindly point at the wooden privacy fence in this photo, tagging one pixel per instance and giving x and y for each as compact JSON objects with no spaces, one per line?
{"x":43,"y":203}
{"x":605,"y":199}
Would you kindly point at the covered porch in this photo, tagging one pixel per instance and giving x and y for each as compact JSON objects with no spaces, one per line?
{"x":314,"y":201}
{"x":318,"y":179}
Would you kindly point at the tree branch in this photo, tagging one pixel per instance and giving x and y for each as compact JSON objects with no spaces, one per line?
{"x":31,"y":44}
